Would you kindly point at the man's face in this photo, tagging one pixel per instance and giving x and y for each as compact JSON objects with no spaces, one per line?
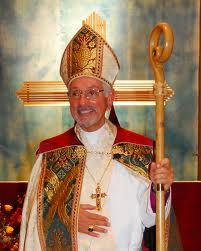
{"x":88,"y":110}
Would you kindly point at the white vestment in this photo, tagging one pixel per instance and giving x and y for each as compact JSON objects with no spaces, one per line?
{"x":127,"y":204}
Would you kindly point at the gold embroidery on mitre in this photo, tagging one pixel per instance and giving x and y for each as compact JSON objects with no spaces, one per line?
{"x":83,"y":56}
{"x":84,"y":52}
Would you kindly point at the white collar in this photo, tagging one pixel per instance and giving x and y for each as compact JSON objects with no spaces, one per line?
{"x":100,"y":140}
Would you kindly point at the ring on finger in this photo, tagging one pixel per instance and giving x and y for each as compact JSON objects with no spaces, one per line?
{"x":91,"y":228}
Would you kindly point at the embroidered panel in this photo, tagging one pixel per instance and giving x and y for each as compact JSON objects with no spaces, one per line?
{"x":60,"y":186}
{"x":86,"y":50}
{"x":135,"y":157}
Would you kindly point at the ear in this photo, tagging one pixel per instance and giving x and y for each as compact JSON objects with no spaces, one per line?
{"x":110,"y":99}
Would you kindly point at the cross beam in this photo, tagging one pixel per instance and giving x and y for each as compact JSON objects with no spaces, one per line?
{"x":51,"y":93}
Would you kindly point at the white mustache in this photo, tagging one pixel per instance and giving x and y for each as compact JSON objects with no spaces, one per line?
{"x":82,"y":109}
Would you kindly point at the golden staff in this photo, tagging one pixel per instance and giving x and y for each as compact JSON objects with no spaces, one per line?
{"x":157,"y":56}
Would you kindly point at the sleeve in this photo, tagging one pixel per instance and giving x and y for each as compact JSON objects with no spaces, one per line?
{"x":153,"y":198}
{"x":148,"y":216}
{"x":29,"y":200}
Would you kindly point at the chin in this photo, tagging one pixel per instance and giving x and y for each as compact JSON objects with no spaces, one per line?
{"x":85,"y":124}
{"x":89,"y":125}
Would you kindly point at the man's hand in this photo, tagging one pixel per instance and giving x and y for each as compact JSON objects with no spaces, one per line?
{"x":87,"y":219}
{"x":162,"y":173}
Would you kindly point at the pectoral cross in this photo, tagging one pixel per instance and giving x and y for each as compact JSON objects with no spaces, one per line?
{"x":98,"y":195}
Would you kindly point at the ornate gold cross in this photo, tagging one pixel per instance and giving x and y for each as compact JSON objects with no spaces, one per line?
{"x":128,"y":92}
{"x":98,"y":195}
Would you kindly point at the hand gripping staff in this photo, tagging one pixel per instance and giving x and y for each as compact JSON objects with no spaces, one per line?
{"x":158,"y":56}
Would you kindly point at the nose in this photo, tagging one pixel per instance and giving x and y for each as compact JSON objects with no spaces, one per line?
{"x":83,"y":100}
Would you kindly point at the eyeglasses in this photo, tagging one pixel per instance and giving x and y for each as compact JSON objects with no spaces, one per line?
{"x":89,"y":93}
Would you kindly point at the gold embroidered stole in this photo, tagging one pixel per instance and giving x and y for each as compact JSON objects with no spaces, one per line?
{"x":135,"y":157}
{"x":58,"y":197}
{"x":60,"y":188}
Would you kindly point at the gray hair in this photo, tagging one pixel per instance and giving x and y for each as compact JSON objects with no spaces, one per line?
{"x":107,"y":89}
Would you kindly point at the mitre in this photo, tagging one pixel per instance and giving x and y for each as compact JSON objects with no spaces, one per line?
{"x":89,"y":55}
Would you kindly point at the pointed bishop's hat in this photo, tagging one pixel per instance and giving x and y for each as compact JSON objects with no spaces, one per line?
{"x":88,"y":54}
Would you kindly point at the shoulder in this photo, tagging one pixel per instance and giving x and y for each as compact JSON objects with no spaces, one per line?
{"x":124,"y":135}
{"x":65,"y":139}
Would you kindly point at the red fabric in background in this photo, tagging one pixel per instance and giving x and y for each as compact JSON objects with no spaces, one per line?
{"x":144,"y":248}
{"x":10,"y":190}
{"x":186,"y":201}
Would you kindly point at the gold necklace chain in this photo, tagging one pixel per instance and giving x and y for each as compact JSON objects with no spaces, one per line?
{"x":93,"y":178}
{"x":101,"y":153}
{"x":98,"y":195}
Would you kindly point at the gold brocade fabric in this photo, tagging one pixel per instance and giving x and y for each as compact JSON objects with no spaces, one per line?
{"x":85,"y":53}
{"x":58,"y":197}
{"x":88,"y":54}
{"x":136,"y":157}
{"x":60,"y":188}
